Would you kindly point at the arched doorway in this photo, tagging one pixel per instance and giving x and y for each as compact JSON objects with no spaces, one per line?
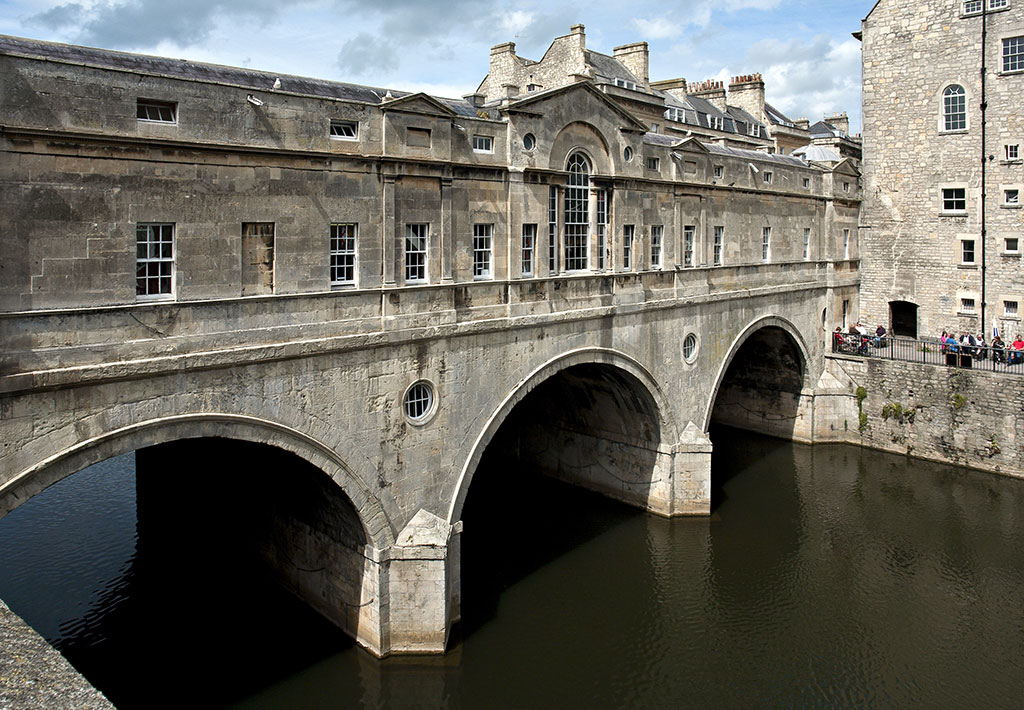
{"x":903,"y":318}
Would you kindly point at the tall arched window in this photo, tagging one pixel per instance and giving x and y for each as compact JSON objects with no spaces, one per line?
{"x":577,"y":213}
{"x":954,"y":108}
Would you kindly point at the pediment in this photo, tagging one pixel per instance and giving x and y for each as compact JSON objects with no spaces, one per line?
{"x":540,"y":103}
{"x":691,"y":144}
{"x":846,"y":167}
{"x":418,"y":103}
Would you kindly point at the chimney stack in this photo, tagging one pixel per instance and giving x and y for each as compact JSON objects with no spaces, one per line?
{"x":635,"y":57}
{"x":747,"y":93}
{"x":840,"y":121}
{"x":711,"y":91}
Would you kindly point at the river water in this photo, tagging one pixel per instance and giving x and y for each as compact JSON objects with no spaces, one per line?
{"x":828,"y":576}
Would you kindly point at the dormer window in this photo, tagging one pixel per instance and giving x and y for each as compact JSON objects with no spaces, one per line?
{"x":716,"y":122}
{"x":752,"y":130}
{"x":158,"y":111}
{"x":625,"y":83}
{"x":344,"y":130}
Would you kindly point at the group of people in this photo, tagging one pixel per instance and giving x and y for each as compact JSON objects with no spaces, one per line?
{"x":861,"y":336}
{"x":970,"y":346}
{"x":858,"y":337}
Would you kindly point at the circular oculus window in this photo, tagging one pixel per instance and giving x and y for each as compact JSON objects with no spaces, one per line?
{"x":690,"y":347}
{"x":529,"y":142}
{"x":627,"y":154}
{"x":418,"y":402}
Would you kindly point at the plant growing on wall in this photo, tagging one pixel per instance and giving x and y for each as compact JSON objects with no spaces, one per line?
{"x":862,"y":416}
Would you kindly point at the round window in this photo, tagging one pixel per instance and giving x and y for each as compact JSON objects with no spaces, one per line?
{"x":627,"y":154}
{"x":529,"y":142}
{"x":418,"y":402}
{"x":690,"y":347}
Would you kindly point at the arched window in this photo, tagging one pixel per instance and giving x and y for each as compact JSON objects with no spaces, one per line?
{"x":577,"y":213}
{"x":954,"y":108}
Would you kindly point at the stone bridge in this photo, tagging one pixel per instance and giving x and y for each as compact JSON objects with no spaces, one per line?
{"x":612,"y":380}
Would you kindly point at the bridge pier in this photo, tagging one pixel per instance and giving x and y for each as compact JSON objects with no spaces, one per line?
{"x":422,"y":585}
{"x":691,"y":474}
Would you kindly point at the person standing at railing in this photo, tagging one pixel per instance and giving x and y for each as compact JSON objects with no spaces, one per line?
{"x":982,"y":351}
{"x":880,"y":336}
{"x":942,"y":340}
{"x":1017,"y":351}
{"x":967,"y":343}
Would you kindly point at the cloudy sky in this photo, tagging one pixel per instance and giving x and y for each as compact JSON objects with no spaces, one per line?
{"x":810,"y":63}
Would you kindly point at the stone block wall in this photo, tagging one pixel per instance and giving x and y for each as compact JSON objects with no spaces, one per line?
{"x":966,"y":417}
{"x":913,"y":51}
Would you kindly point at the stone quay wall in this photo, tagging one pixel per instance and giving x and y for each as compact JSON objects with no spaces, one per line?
{"x":966,"y":417}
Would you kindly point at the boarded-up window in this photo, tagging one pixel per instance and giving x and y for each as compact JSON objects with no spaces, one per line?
{"x":257,"y":258}
{"x":690,"y":167}
{"x":418,"y":137}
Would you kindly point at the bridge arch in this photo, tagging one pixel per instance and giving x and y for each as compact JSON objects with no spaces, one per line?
{"x":638,"y":376}
{"x":24,"y":485}
{"x":756,"y":328}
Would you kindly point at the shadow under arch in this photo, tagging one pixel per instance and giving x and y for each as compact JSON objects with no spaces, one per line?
{"x":585,"y":356}
{"x":763,"y":325}
{"x":23,"y":486}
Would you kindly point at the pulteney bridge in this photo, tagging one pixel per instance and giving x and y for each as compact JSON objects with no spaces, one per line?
{"x":613,"y":380}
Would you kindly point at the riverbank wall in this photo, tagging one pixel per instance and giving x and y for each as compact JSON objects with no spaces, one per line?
{"x":967,"y":417}
{"x":34,"y":675}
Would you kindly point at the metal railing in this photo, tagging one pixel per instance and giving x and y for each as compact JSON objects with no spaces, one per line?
{"x":930,"y":352}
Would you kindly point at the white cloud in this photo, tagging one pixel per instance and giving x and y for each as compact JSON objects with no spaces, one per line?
{"x":515,"y":22}
{"x":658,"y":28}
{"x":811,"y":77}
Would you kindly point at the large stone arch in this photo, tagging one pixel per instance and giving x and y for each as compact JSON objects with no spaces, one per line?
{"x":583,"y":356}
{"x":29,"y":482}
{"x":583,"y":137}
{"x":758,"y":324}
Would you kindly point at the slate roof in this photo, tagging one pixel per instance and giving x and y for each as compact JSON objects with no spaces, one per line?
{"x":756,"y":155}
{"x":661,"y":139}
{"x":777,"y":117}
{"x":199,"y":71}
{"x":610,"y":68}
{"x":821,"y":129}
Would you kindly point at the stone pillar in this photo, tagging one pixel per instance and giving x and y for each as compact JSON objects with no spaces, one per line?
{"x":422,"y":584}
{"x":691,"y":475}
{"x":389,"y":237}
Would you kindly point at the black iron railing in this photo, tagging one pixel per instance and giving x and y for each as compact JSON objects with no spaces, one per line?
{"x":930,"y":352}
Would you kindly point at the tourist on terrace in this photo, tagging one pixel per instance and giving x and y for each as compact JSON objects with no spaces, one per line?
{"x":1017,"y":351}
{"x":942,"y":339}
{"x":967,"y":343}
{"x":998,"y":349}
{"x":982,"y":352}
{"x":880,"y":336}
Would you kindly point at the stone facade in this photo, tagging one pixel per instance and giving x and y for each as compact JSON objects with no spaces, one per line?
{"x":926,"y":249}
{"x":193,"y":251}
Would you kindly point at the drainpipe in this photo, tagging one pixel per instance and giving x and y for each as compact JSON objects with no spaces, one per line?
{"x":984,"y":158}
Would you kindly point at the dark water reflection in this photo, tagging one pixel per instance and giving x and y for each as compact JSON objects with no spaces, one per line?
{"x":827,"y":577}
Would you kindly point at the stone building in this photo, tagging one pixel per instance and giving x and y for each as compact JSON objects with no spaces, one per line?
{"x":941,"y":225}
{"x":135,"y":179}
